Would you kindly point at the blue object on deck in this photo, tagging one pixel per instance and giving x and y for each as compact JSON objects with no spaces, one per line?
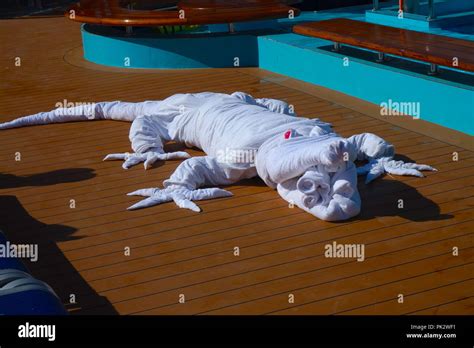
{"x":21,"y":293}
{"x":10,"y":262}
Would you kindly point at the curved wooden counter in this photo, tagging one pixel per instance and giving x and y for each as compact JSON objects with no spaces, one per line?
{"x":185,"y":12}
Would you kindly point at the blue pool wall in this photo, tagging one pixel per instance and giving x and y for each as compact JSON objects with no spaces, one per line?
{"x":208,"y":51}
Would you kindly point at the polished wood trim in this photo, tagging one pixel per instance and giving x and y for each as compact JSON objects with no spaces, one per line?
{"x":116,"y":12}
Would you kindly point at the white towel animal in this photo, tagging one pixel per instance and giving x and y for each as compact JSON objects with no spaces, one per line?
{"x":238,"y":123}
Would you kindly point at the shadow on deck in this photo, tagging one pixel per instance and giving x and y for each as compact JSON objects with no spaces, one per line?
{"x":44,"y":235}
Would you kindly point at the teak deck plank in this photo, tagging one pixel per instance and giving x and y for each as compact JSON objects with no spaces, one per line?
{"x":411,"y":44}
{"x":175,"y":251}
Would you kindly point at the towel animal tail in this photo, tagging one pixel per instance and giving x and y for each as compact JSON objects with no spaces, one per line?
{"x":119,"y":111}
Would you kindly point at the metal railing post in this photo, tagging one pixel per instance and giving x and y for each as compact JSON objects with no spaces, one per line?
{"x":376,"y":5}
{"x":434,"y":69}
{"x":129,"y":29}
{"x":381,"y":57}
{"x":431,"y":10}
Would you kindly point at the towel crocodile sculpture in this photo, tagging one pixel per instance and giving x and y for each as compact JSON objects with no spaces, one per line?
{"x":304,"y":159}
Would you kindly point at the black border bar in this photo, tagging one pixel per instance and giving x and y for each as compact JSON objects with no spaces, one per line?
{"x":222,"y":330}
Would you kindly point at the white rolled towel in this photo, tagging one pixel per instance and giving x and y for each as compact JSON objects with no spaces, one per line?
{"x":344,"y":200}
{"x":343,"y":188}
{"x":309,"y":201}
{"x":338,"y":208}
{"x":315,"y":185}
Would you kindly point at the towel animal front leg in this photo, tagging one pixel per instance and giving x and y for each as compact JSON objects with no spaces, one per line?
{"x":377,"y":167}
{"x":379,"y":154}
{"x":183,"y":185}
{"x":147,"y":135}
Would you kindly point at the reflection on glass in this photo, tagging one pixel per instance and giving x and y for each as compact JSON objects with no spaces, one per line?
{"x":411,"y":6}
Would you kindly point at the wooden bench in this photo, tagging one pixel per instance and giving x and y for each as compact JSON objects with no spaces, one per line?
{"x":186,"y":12}
{"x":434,"y":49}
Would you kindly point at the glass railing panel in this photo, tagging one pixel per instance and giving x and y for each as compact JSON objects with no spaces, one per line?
{"x":430,"y":9}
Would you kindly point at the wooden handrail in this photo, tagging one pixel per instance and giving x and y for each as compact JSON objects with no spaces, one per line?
{"x":430,"y":48}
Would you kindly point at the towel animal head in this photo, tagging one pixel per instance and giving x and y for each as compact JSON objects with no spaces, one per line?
{"x":290,"y":154}
{"x":330,"y":197}
{"x":370,"y":146}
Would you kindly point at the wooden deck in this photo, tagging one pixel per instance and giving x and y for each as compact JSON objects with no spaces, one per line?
{"x":174,"y":251}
